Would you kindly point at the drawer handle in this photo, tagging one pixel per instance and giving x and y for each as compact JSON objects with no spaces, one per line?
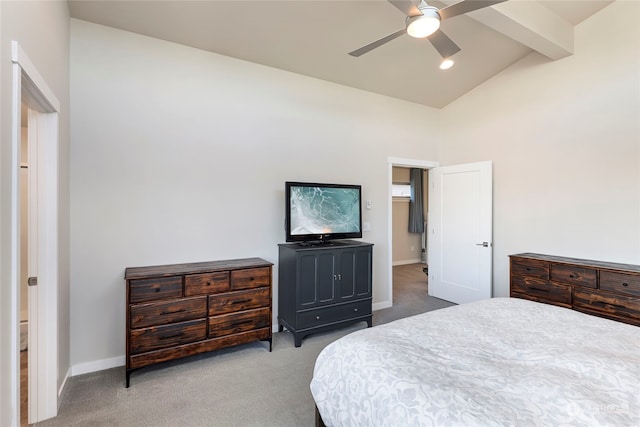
{"x":355,"y":309}
{"x":317,"y":317}
{"x":173,"y":312}
{"x":166,"y":337}
{"x":625,"y":284}
{"x":571,"y":276}
{"x":528,"y":268}
{"x":533,"y":288}
{"x":240,"y":301}
{"x":157,"y":289}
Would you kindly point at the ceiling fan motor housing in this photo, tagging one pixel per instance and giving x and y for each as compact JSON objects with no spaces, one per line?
{"x":420,"y":26}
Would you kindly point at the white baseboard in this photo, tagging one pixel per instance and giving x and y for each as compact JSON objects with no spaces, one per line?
{"x":405,"y":262}
{"x":61,"y":389}
{"x":381,"y":305}
{"x":97,"y":365}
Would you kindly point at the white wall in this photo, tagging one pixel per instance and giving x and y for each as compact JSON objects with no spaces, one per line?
{"x":181,"y":155}
{"x":42,"y":30}
{"x":564,"y":138}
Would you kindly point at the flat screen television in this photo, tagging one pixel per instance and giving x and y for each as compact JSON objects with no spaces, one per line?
{"x":322,"y":212}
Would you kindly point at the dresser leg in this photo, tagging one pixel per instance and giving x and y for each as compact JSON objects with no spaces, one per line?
{"x":129,"y":371}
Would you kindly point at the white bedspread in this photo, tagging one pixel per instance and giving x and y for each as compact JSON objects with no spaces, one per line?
{"x":503,"y":361}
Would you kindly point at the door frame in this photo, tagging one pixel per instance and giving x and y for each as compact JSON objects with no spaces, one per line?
{"x":407,"y":163}
{"x":30,"y":88}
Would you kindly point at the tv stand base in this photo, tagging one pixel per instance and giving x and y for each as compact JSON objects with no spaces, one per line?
{"x":298,"y":335}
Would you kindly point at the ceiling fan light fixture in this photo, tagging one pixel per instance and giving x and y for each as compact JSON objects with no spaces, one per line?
{"x":421,"y":26}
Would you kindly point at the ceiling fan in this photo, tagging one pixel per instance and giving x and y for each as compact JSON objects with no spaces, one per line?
{"x":424,"y":21}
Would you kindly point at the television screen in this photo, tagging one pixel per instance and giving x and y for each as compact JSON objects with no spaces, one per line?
{"x":322,"y":211}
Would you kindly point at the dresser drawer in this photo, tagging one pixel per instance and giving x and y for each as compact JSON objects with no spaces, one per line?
{"x":540,"y":290}
{"x":250,"y":278}
{"x":234,"y":323}
{"x":620,"y":282}
{"x":574,"y":275}
{"x":614,"y":306}
{"x":328,"y":315}
{"x":206,"y":283}
{"x":156,"y":288}
{"x":157,"y":337}
{"x":239,"y":300}
{"x":161,"y":313}
{"x":530,"y":268}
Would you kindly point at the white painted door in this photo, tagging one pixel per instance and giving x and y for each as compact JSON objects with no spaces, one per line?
{"x":460,"y":232}
{"x":42,"y":132}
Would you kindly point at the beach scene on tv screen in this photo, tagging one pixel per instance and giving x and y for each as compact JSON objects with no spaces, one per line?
{"x":323,"y":210}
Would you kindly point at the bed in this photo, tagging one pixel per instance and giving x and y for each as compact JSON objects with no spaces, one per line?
{"x":502,"y":361}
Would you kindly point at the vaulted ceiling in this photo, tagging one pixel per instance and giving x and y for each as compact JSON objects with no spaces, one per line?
{"x":313,"y":38}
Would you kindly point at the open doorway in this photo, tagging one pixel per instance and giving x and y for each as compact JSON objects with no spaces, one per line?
{"x":408,"y":246}
{"x":407,"y":278}
{"x":32,"y":97}
{"x":410,"y":280}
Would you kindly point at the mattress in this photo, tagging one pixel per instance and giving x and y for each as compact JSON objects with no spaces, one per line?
{"x":496,"y":362}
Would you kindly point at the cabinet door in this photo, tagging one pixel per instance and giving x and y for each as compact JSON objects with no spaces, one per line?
{"x":362,"y":274}
{"x":346,"y":279}
{"x":326,"y":289}
{"x":315,"y":282}
{"x":354,"y":273}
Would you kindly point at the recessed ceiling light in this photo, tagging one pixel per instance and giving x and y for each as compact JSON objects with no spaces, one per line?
{"x":446,"y":64}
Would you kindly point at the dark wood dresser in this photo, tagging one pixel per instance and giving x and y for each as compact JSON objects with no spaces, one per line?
{"x":180,"y":310}
{"x":604,"y":289}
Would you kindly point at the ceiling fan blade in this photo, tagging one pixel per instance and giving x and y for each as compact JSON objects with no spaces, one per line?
{"x":443,"y":44}
{"x":465,"y":6}
{"x":377,"y":43}
{"x":406,"y":7}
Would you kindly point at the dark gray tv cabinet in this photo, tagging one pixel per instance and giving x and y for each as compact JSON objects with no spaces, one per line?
{"x":325,"y":286}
